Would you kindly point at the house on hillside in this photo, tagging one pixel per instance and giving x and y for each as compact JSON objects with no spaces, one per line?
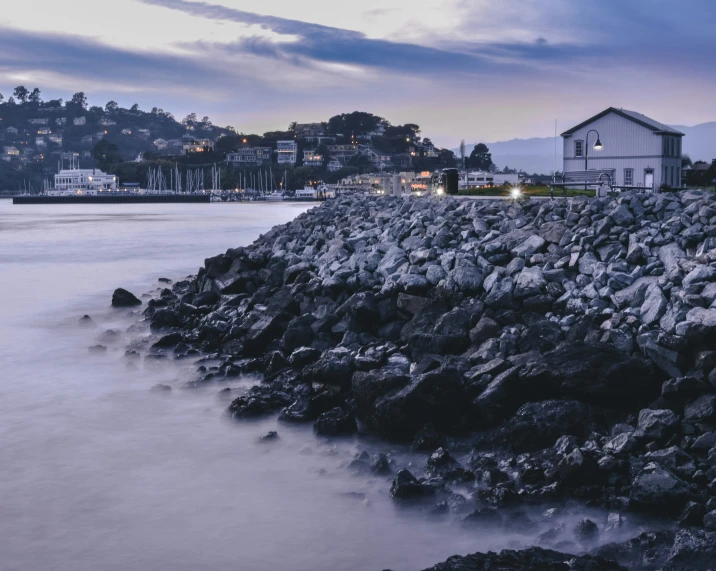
{"x":79,"y":121}
{"x":11,"y":131}
{"x":55,"y":138}
{"x":106,"y":122}
{"x":343,"y":152}
{"x":86,"y":140}
{"x":61,"y":121}
{"x":126,"y":131}
{"x":40,"y":141}
{"x":11,"y":151}
{"x":334,"y":165}
{"x":287,"y":152}
{"x":38,"y":121}
{"x":642,"y":152}
{"x":309,"y":132}
{"x":44,"y":131}
{"x":312,"y":159}
{"x":250,"y":156}
{"x":197,"y":146}
{"x":160,"y":144}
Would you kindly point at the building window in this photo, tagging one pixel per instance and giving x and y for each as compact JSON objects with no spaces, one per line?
{"x":664,"y":146}
{"x":628,"y":177}
{"x":578,"y":148}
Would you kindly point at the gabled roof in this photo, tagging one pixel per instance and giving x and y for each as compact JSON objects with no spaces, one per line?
{"x":638,"y":118}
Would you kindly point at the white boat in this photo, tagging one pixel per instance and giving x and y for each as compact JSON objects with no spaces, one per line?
{"x":274,"y":196}
{"x":306,"y":193}
{"x":216,"y":198}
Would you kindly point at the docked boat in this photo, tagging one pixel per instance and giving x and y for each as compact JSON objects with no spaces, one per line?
{"x":274,"y":196}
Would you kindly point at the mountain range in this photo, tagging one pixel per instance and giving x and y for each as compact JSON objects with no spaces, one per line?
{"x":537,"y":155}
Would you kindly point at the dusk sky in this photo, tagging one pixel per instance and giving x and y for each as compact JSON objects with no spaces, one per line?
{"x":474,"y":69}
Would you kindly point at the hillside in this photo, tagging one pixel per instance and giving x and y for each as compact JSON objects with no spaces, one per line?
{"x":35,"y":136}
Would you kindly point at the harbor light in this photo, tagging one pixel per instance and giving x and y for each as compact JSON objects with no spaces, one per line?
{"x":515,"y":193}
{"x":441,"y":190}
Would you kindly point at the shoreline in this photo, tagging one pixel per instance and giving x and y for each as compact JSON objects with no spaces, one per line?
{"x":556,"y":334}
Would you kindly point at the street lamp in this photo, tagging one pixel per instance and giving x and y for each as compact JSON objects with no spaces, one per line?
{"x":597,"y":146}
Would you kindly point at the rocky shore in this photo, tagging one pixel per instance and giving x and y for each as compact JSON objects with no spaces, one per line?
{"x":564,"y":348}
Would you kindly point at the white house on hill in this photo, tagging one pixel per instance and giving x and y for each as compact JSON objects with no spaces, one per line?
{"x":642,"y":151}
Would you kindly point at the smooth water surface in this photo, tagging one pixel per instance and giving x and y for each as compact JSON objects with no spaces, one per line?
{"x":97,"y":473}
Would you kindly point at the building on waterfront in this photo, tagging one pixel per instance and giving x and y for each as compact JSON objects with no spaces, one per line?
{"x":286,"y":152}
{"x":642,"y":152}
{"x":478,"y":179}
{"x":312,"y":159}
{"x":84,"y":181}
{"x":250,"y":156}
{"x":192,"y":146}
{"x":79,"y":121}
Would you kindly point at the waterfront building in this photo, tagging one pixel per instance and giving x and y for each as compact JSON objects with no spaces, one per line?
{"x":250,"y":156}
{"x":642,"y":151}
{"x":287,"y":152}
{"x":84,"y":181}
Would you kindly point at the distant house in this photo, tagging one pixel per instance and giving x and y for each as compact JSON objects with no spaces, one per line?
{"x":334,"y":165}
{"x":343,"y":152}
{"x":28,"y":151}
{"x":99,"y":135}
{"x":143,"y":134}
{"x":309,"y":132}
{"x":44,"y":131}
{"x":86,"y":154}
{"x":38,"y":121}
{"x":80,"y":120}
{"x":61,"y":121}
{"x":175,"y":143}
{"x":379,"y":130}
{"x":55,"y":138}
{"x":250,"y":156}
{"x":86,"y":140}
{"x":106,"y":122}
{"x":312,"y":159}
{"x":126,"y":131}
{"x":11,"y":131}
{"x":286,"y":152}
{"x":643,"y":152}
{"x":378,"y":158}
{"x":11,"y":151}
{"x":160,"y":144}
{"x":197,"y":146}
{"x":40,"y":141}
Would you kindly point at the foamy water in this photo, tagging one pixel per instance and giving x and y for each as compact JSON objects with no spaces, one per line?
{"x":97,"y":473}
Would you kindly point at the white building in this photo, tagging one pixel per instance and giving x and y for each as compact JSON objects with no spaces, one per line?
{"x":287,"y":152}
{"x":250,"y":156}
{"x":160,"y":144}
{"x":38,"y":121}
{"x":334,"y":165}
{"x":80,"y":120}
{"x":55,"y":138}
{"x":479,"y":179}
{"x":126,"y":131}
{"x":83,"y":181}
{"x":642,"y":151}
{"x":11,"y":151}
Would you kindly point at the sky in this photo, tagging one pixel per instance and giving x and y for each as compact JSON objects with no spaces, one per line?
{"x":485,"y":70}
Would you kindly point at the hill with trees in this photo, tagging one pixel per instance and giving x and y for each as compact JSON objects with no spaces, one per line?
{"x":36,"y":136}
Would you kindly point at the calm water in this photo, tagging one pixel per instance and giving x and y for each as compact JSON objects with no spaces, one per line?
{"x":97,"y":473}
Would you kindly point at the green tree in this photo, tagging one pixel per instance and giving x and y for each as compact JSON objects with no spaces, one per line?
{"x":111,"y":106}
{"x":21,"y":93}
{"x":480,"y":158}
{"x":34,"y":97}
{"x":1,"y":97}
{"x":292,"y":126}
{"x":79,"y":99}
{"x":189,"y":120}
{"x":135,"y":108}
{"x":106,"y":154}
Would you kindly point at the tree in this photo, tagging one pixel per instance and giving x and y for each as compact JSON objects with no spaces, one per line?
{"x":134,"y":108}
{"x":1,"y":97}
{"x":21,"y":93}
{"x":154,"y":111}
{"x":292,"y":126}
{"x":11,"y":101}
{"x":111,"y":106}
{"x":79,"y":99}
{"x":34,"y":97}
{"x":97,"y":110}
{"x":189,"y":120}
{"x":480,"y":158}
{"x":106,"y":154}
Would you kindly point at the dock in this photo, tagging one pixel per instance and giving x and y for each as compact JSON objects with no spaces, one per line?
{"x":113,"y":199}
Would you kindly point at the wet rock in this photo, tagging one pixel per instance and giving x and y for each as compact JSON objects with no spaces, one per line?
{"x":586,"y":532}
{"x":97,"y":349}
{"x":656,"y":488}
{"x":87,"y":321}
{"x":405,"y":486}
{"x":161,"y":388}
{"x":123,"y":298}
{"x":335,"y":422}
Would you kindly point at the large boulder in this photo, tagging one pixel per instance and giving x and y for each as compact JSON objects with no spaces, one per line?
{"x":593,"y":373}
{"x":123,"y":298}
{"x":657,"y":489}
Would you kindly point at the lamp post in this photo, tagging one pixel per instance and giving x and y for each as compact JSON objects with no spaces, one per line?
{"x":597,"y":146}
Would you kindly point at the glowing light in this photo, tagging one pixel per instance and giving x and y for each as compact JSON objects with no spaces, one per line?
{"x":441,"y":190}
{"x":515,"y":192}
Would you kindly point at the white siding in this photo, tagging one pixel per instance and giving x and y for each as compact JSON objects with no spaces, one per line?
{"x":625,"y":144}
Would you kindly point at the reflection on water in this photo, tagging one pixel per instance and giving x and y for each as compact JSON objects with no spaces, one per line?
{"x":100,"y":473}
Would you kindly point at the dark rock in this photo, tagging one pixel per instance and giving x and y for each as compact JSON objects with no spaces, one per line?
{"x":97,"y":349}
{"x":335,"y":422}
{"x":160,"y":388}
{"x":123,"y":298}
{"x":658,"y":489}
{"x":586,"y":532}
{"x":405,"y":486}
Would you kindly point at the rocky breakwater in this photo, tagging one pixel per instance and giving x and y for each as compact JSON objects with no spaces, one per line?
{"x":567,"y":345}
